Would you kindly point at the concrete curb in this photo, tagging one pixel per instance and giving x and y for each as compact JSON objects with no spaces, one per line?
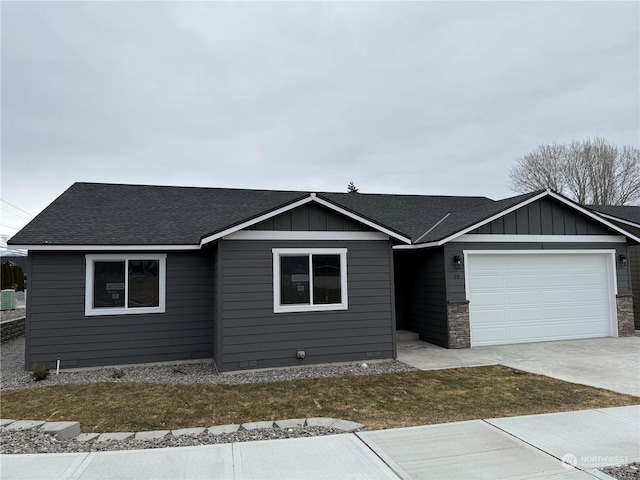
{"x":71,"y":430}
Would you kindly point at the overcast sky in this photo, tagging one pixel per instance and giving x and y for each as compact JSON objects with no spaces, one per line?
{"x":429,"y":98}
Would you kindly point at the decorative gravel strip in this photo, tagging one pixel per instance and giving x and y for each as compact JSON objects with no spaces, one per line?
{"x":624,"y":472}
{"x":34,"y":441}
{"x":14,"y":376}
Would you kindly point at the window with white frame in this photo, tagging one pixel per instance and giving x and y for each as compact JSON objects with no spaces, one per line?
{"x":125,"y":284}
{"x":307,"y":280}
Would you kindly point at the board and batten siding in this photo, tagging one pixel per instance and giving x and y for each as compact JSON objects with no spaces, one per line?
{"x":310,"y":217}
{"x":58,"y":328}
{"x":455,"y":276}
{"x":253,"y":336}
{"x":424,"y":299}
{"x":543,"y":217}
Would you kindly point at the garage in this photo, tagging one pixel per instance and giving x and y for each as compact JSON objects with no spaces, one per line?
{"x":543,"y":295}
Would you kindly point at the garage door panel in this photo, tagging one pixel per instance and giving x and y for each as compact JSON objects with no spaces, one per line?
{"x":557,"y":312}
{"x":519,"y":297}
{"x":589,"y":294}
{"x":489,"y":298}
{"x":529,"y":280}
{"x":555,"y":262}
{"x":519,"y":262}
{"x":524,"y":332}
{"x":487,"y":282}
{"x":557,"y":296}
{"x":560,"y":279}
{"x":487,"y":336}
{"x":523,"y":313}
{"x":590,"y":279}
{"x":593,"y":310}
{"x":530,"y":297}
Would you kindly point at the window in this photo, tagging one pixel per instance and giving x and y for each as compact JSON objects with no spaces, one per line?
{"x":125,"y":284}
{"x":306,"y":280}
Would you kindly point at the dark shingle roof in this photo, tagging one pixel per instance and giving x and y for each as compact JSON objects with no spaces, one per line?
{"x":461,"y":219}
{"x":410,"y":215}
{"x":113,"y":214}
{"x":630,"y":213}
{"x":106,"y":214}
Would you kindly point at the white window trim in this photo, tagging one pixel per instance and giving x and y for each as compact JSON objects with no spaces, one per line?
{"x":278,"y":252}
{"x":90,"y":260}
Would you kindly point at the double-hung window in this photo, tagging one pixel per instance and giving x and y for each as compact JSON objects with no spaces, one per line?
{"x":307,"y":280}
{"x":125,"y":284}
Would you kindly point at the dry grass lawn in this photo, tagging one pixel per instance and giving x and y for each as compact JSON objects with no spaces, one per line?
{"x":377,"y":401}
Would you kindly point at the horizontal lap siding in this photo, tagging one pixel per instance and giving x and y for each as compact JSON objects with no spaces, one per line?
{"x":255,"y":337}
{"x":58,"y":327}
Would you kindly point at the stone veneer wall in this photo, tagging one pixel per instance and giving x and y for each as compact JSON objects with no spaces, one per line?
{"x":12,"y":329}
{"x":458,"y":324}
{"x":624,"y":306}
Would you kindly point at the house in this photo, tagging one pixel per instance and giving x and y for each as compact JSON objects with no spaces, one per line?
{"x":123,"y":274}
{"x":627,"y":217}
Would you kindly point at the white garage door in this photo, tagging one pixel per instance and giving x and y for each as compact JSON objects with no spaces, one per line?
{"x":518,"y":298}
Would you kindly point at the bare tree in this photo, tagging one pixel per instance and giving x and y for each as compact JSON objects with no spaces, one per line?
{"x":590,"y":172}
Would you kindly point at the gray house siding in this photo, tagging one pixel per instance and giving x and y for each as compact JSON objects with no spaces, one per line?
{"x":455,"y":276}
{"x":425,"y":303}
{"x":253,"y":336}
{"x":543,"y":217}
{"x":310,"y":217}
{"x":58,"y":327}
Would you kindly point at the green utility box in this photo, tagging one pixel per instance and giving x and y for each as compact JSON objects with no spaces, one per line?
{"x":8,"y":299}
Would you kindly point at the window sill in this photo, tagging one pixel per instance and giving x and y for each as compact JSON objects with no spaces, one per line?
{"x":310,"y":308}
{"x":122,"y":311}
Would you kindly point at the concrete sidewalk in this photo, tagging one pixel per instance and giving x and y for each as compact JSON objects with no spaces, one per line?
{"x":528,"y":447}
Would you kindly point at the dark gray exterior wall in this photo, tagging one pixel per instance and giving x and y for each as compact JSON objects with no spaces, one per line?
{"x":57,"y":325}
{"x":544,"y":217}
{"x":253,"y":336}
{"x":423,"y":299}
{"x":310,"y":217}
{"x":634,"y":273}
{"x":455,"y":277}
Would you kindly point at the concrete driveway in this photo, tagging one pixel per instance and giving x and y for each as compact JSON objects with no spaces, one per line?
{"x":610,"y":363}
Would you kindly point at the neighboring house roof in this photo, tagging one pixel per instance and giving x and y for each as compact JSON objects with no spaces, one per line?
{"x":626,"y":213}
{"x":96,"y":214}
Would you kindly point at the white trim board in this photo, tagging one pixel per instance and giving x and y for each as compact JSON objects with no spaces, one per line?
{"x":618,"y":219}
{"x":497,"y":238}
{"x":300,"y":235}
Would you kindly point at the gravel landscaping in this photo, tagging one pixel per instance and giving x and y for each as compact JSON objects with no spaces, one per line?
{"x":13,"y":375}
{"x":33,"y":441}
{"x":624,"y":472}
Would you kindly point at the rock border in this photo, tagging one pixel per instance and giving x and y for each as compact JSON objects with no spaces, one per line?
{"x":71,"y":430}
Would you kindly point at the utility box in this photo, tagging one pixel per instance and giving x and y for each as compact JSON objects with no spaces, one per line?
{"x":8,"y":299}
